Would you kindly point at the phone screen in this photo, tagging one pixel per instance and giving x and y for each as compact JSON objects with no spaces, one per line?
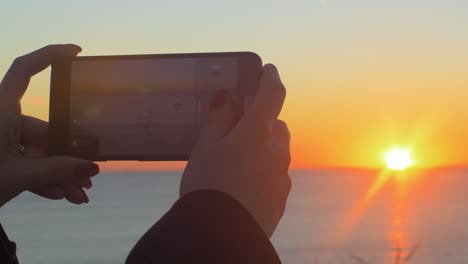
{"x":143,"y":106}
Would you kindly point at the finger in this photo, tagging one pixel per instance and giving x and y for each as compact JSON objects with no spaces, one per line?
{"x":269,"y":99}
{"x":281,"y":145}
{"x":34,"y":131}
{"x":17,"y":78}
{"x":50,"y":192}
{"x":281,"y":135}
{"x":34,"y":152}
{"x":86,"y":183}
{"x":75,"y":195}
{"x":37,"y":173}
{"x":220,"y":119}
{"x":55,"y":192}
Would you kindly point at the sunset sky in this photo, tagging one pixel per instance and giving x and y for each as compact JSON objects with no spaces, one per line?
{"x":362,"y":75}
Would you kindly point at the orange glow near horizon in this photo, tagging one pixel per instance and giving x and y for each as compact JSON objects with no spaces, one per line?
{"x":142,"y":166}
{"x":326,"y":135}
{"x":360,"y":77}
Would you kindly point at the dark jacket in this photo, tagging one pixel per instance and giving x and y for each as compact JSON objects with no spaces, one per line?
{"x":7,"y":249}
{"x":201,"y":227}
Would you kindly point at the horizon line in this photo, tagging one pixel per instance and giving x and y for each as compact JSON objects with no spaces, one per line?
{"x":308,"y":168}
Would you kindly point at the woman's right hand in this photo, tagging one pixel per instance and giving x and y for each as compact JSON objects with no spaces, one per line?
{"x":249,"y":158}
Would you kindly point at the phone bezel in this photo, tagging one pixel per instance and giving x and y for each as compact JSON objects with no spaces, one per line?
{"x":249,"y":70}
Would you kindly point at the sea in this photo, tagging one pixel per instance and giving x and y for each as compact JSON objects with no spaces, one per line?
{"x":332,"y":216}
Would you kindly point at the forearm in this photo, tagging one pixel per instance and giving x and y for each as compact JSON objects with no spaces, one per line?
{"x":7,"y":192}
{"x":9,"y":188}
{"x":7,"y":249}
{"x":205,"y":227}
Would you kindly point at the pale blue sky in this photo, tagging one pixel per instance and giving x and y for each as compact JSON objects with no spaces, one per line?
{"x":280,"y":31}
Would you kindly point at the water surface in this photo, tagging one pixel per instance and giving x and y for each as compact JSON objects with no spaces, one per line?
{"x":331,"y":218}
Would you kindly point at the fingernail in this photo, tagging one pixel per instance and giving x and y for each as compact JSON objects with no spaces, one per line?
{"x":84,"y":196}
{"x":219,"y":99}
{"x":88,"y":185}
{"x":272,"y":66}
{"x":87,"y":170}
{"x":78,"y":47}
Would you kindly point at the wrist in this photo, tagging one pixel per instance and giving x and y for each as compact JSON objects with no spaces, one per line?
{"x":9,"y":188}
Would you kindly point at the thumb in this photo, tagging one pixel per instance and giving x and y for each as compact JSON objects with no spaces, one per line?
{"x":37,"y":173}
{"x":220,"y":119}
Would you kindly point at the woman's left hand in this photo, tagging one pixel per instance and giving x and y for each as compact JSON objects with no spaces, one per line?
{"x":24,"y":164}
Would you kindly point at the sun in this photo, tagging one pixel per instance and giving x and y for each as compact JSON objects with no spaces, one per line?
{"x":398,"y":159}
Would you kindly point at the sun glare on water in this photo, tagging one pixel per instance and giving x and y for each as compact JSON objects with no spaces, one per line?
{"x":398,"y":159}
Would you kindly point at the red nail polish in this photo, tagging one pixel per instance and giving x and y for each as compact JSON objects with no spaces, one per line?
{"x":219,"y":99}
{"x":88,"y":185}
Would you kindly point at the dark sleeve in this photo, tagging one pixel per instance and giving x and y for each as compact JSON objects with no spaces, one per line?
{"x":7,"y":249}
{"x":205,"y":227}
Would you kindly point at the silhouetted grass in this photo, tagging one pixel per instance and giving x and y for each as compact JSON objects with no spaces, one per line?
{"x":399,"y":257}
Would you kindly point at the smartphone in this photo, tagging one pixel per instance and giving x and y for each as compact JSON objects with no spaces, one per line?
{"x":141,"y":107}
